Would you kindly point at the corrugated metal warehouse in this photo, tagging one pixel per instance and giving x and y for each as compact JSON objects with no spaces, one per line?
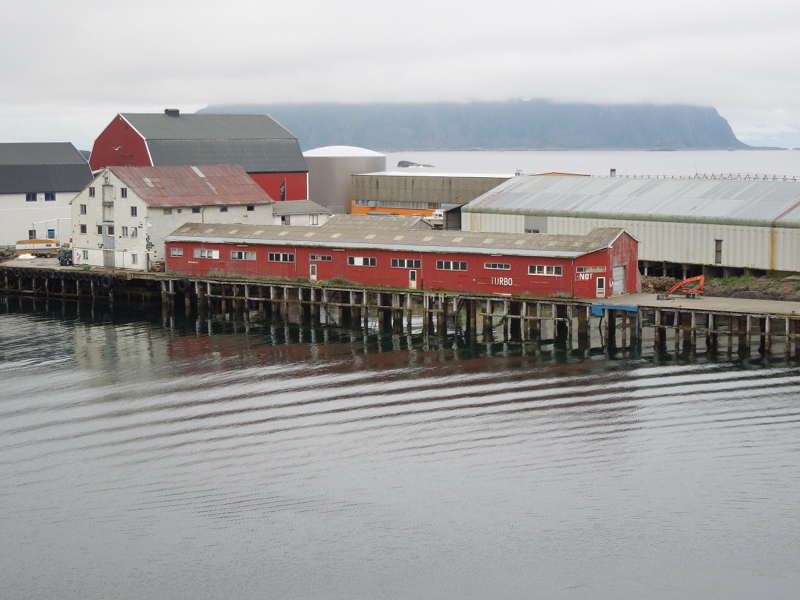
{"x":720,"y":227}
{"x":418,"y":193}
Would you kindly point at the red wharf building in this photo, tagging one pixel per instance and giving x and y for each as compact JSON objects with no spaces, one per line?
{"x":389,"y":252}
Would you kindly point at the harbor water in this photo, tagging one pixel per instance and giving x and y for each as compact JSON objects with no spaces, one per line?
{"x":151,"y":457}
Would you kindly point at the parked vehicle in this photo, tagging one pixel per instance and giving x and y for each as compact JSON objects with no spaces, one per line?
{"x":65,"y":257}
{"x":48,"y":247}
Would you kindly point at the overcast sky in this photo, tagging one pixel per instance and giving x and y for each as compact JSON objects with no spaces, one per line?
{"x":70,"y":66}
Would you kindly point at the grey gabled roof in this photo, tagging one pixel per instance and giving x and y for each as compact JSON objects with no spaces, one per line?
{"x":257,"y":143}
{"x":341,"y":232}
{"x":42,"y":167}
{"x":300,"y":207}
{"x":722,"y":201}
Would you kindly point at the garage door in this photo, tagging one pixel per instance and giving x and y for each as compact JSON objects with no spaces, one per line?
{"x":618,"y":285}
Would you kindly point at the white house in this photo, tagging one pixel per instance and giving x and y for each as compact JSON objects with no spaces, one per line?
{"x":37,"y":183}
{"x":121,"y":218}
{"x":300,"y":212}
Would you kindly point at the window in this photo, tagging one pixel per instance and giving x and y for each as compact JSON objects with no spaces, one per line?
{"x":123,"y":192}
{"x":531,"y":231}
{"x":251,"y":208}
{"x":279,"y":257}
{"x":361,"y":261}
{"x":203,"y":253}
{"x":319,"y":258}
{"x":167,"y":211}
{"x":544,"y":270}
{"x":176,"y":251}
{"x":284,"y":220}
{"x":124,"y":232}
{"x":31,"y":197}
{"x":406,"y":263}
{"x":590,"y":269}
{"x":91,"y":192}
{"x":31,"y":234}
{"x":83,"y":229}
{"x":502,"y":266}
{"x":51,"y":234}
{"x":242,"y":255}
{"x":223,"y":209}
{"x":313,"y":219}
{"x":82,"y":208}
{"x":134,"y":259}
{"x":110,"y":229}
{"x":196,"y":210}
{"x":49,"y":196}
{"x":718,"y":252}
{"x":133,"y":211}
{"x":99,"y":230}
{"x":134,"y":232}
{"x":85,"y":255}
{"x":446,"y":265}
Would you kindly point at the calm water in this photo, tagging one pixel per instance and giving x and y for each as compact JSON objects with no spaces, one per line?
{"x":680,"y":163}
{"x":143,"y":458}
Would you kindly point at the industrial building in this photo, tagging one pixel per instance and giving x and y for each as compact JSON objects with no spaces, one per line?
{"x":269,"y":153}
{"x":330,"y":170}
{"x":121,"y":218}
{"x":37,"y":183}
{"x":720,"y":227}
{"x":401,"y":252}
{"x":415,"y":193}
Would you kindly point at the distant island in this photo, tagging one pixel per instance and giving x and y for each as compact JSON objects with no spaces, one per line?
{"x":512,"y":125}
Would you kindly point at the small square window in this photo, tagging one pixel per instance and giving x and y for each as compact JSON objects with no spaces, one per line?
{"x":251,"y":208}
{"x":110,"y":229}
{"x":167,"y":211}
{"x":123,"y":192}
{"x":83,"y":229}
{"x":223,"y":209}
{"x":51,"y":234}
{"x":31,"y":234}
{"x":49,"y":196}
{"x":133,"y":211}
{"x":99,"y":230}
{"x":83,"y":209}
{"x":176,"y":251}
{"x":30,"y":197}
{"x":196,"y":209}
{"x":91,"y":192}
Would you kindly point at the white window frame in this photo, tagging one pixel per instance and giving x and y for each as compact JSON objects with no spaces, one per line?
{"x":497,"y":266}
{"x":206,"y":253}
{"x":176,"y":252}
{"x":546,"y":270}
{"x":451,"y":265}
{"x":362,"y":261}
{"x":243,"y":255}
{"x":320,"y":258}
{"x":285,"y":257}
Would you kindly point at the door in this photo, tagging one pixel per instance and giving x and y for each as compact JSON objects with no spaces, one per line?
{"x":601,"y":287}
{"x":108,"y":258}
{"x":412,"y":279}
{"x":618,"y":282}
{"x":313,"y":272}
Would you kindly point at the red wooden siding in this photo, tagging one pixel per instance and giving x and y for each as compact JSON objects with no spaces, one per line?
{"x":119,"y":146}
{"x":296,"y":184}
{"x":476,"y":279}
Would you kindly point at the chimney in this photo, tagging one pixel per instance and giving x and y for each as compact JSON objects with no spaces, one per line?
{"x":172,"y":112}
{"x":613,"y":173}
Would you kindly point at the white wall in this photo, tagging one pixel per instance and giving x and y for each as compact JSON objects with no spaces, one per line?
{"x":17,"y":217}
{"x":301,"y":220}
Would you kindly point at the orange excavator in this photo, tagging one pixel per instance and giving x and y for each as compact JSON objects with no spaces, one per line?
{"x":688,"y":290}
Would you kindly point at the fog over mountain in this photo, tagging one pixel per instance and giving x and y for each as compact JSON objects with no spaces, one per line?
{"x":513,"y":125}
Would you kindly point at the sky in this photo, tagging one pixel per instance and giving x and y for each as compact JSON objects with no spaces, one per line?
{"x":69,"y":67}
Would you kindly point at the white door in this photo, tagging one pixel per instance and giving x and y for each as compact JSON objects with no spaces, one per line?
{"x":313,"y":272}
{"x":601,"y":287}
{"x":412,"y":279}
{"x":618,"y":282}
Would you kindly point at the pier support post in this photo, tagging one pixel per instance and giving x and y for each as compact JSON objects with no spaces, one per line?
{"x":748,"y":333}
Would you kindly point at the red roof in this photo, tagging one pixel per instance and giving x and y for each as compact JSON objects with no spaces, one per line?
{"x":192,"y":186}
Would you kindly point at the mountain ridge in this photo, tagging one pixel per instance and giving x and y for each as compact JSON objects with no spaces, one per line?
{"x":511,"y":125}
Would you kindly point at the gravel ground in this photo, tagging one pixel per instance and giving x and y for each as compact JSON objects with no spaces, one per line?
{"x":757,"y":288}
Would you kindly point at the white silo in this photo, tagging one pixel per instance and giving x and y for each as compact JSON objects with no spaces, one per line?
{"x":330,"y":169}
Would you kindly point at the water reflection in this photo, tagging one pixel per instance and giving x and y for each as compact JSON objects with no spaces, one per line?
{"x":182,"y":457}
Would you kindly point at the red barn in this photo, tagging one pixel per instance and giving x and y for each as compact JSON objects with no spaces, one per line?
{"x":267,"y":152}
{"x":388,"y":251}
